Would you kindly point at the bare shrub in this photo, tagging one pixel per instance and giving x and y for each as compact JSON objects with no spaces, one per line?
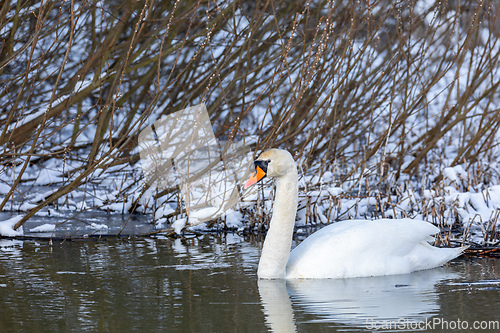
{"x":378,"y":93}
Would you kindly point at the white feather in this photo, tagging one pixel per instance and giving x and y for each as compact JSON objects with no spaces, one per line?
{"x":344,"y":249}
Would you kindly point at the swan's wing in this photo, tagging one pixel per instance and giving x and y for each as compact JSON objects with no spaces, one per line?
{"x":365,"y":248}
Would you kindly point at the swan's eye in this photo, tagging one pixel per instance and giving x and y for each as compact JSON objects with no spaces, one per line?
{"x":268,"y":161}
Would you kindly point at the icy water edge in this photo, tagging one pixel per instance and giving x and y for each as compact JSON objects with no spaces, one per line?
{"x":209,"y":284}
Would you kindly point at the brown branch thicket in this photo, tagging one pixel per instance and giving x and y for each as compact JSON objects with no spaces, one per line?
{"x":344,"y":83}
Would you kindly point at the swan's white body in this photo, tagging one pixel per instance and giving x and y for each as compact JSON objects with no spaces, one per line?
{"x":343,"y":249}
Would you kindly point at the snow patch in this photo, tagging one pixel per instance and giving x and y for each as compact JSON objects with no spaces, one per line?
{"x":98,"y":226}
{"x":47,"y":227}
{"x":179,"y":225}
{"x":7,"y":227}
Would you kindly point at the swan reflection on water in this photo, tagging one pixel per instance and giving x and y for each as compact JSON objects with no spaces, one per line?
{"x":354,"y":302}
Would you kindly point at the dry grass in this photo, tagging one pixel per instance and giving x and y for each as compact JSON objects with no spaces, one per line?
{"x":373,"y":91}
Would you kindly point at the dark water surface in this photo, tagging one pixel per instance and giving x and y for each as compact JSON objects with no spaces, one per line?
{"x":209,"y":284}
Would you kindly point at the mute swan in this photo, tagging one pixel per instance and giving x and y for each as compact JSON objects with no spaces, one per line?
{"x":342,"y":249}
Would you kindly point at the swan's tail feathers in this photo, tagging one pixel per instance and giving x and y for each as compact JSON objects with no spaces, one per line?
{"x":462,"y":249}
{"x":453,"y":252}
{"x":436,"y":256}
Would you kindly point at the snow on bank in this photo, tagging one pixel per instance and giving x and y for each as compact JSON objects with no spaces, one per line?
{"x":46,"y":227}
{"x":479,"y":212}
{"x":4,"y":188}
{"x":101,"y":227}
{"x":178,"y":225}
{"x":7,"y":227}
{"x":116,"y":188}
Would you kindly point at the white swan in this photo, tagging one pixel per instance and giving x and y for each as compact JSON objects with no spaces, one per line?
{"x":343,"y":249}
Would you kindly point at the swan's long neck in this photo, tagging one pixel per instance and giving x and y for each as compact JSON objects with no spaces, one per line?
{"x":276,"y":249}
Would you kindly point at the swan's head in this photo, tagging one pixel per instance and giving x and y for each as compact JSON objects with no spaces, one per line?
{"x":271,"y":163}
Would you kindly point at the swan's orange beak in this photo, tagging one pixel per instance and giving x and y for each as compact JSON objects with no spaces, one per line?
{"x":255,"y":177}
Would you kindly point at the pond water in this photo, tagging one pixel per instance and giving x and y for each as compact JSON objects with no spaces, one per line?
{"x":209,"y":284}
